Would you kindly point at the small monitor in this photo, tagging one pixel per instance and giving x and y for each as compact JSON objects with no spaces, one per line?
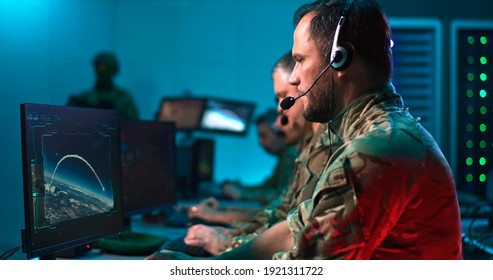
{"x":226,"y":116}
{"x":72,"y":177}
{"x":148,"y":166}
{"x":184,"y":112}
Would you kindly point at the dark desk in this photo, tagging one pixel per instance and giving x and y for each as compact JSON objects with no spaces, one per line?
{"x":138,"y":225}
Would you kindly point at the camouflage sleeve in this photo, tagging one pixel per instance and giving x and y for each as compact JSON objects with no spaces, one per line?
{"x":267,"y":216}
{"x":359,"y":187}
{"x":239,"y":241}
{"x":282,"y":177}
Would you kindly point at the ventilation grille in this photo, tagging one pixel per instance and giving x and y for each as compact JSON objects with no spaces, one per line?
{"x":417,"y":69}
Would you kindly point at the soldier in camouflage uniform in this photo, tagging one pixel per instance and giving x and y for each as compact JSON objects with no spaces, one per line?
{"x":309,"y":166}
{"x":387,"y":192}
{"x":105,"y":94}
{"x":274,"y":142}
{"x":268,"y":191}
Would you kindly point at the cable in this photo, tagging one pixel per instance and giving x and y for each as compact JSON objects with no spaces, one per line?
{"x":7,"y":254}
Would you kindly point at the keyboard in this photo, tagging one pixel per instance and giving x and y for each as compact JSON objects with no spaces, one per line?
{"x":179,"y":245}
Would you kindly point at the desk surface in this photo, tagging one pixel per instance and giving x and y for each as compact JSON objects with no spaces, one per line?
{"x":138,"y":224}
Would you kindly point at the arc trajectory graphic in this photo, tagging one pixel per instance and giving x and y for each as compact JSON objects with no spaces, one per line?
{"x":80,"y":158}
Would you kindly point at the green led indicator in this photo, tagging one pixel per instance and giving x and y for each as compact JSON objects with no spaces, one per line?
{"x":469,"y":161}
{"x":482,"y":93}
{"x":470,"y":144}
{"x":470,"y":60}
{"x":470,"y":77}
{"x":483,"y":77}
{"x":482,"y":144}
{"x":483,"y":110}
{"x":469,"y":127}
{"x":470,"y":40}
{"x":482,"y":178}
{"x":469,"y":93}
{"x":482,"y":161}
{"x":483,"y":60}
{"x":482,"y":127}
{"x":469,"y":178}
{"x":483,"y":40}
{"x":470,"y":110}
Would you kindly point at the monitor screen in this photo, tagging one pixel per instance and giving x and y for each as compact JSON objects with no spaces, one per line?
{"x":72,"y":177}
{"x":184,"y":112}
{"x":148,"y":166}
{"x":225,"y":116}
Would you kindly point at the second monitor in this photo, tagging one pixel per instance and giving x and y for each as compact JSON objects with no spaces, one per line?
{"x":148,"y":166}
{"x":210,"y":114}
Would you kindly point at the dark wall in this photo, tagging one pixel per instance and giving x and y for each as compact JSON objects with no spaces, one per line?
{"x":444,"y":9}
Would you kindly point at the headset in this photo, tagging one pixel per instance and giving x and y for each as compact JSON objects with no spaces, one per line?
{"x":340,"y":57}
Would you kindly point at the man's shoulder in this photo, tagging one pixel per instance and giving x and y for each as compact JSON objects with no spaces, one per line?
{"x":389,"y":140}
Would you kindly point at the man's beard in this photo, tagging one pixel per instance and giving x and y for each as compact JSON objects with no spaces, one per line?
{"x":320,"y":104}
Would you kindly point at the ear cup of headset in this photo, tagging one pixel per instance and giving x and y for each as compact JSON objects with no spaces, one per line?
{"x":342,"y":57}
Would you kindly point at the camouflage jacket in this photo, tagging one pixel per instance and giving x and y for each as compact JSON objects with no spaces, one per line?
{"x":386,"y":193}
{"x":269,"y":191}
{"x":309,"y":166}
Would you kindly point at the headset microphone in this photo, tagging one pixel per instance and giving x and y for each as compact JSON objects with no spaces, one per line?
{"x":288,"y":102}
{"x":339,"y":58}
{"x":284,"y":119}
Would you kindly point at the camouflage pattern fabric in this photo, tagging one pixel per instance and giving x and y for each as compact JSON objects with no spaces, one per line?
{"x":269,"y":191}
{"x":309,"y":166}
{"x":387,"y":192}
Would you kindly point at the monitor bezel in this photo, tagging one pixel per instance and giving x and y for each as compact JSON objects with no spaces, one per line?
{"x":181,"y":98}
{"x":250,"y":105}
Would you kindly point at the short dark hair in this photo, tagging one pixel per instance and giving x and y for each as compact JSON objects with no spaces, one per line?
{"x":366,"y":27}
{"x":269,"y":117}
{"x":108,"y":59}
{"x":285,"y":62}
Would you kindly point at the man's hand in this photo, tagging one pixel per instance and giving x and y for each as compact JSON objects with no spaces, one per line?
{"x":205,"y":209}
{"x":213,"y":239}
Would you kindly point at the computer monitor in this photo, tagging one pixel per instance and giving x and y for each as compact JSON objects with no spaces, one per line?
{"x":203,"y":150}
{"x":226,"y":116}
{"x":148,"y":166}
{"x":195,"y":165}
{"x":72,"y":177}
{"x":185,"y":112}
{"x":148,"y":160}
